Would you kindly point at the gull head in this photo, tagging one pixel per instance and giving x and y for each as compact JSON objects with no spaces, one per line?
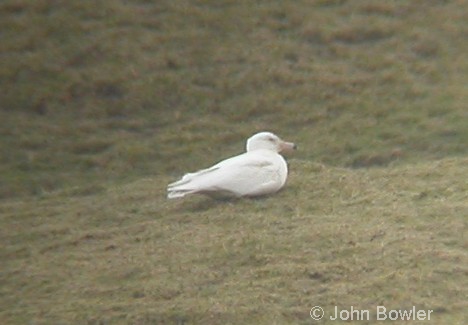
{"x":268,"y":141}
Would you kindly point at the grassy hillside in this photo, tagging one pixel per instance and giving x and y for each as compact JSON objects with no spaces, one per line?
{"x":103,"y":103}
{"x":386,"y":236}
{"x":96,"y":92}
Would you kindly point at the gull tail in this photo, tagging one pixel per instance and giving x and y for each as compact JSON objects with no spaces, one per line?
{"x":189,"y":184}
{"x":174,"y":193}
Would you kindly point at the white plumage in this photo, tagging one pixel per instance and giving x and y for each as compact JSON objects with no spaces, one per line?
{"x":259,"y":171}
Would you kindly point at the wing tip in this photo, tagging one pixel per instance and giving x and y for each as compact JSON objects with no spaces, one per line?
{"x":173,"y":193}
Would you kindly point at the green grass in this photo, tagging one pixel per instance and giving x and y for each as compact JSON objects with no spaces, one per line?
{"x":334,"y":236}
{"x":104,"y":103}
{"x":99,"y":92}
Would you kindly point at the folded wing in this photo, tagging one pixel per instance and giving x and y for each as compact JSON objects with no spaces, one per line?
{"x":244,"y":175}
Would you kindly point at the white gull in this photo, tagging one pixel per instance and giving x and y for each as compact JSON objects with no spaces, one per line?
{"x":259,"y":171}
